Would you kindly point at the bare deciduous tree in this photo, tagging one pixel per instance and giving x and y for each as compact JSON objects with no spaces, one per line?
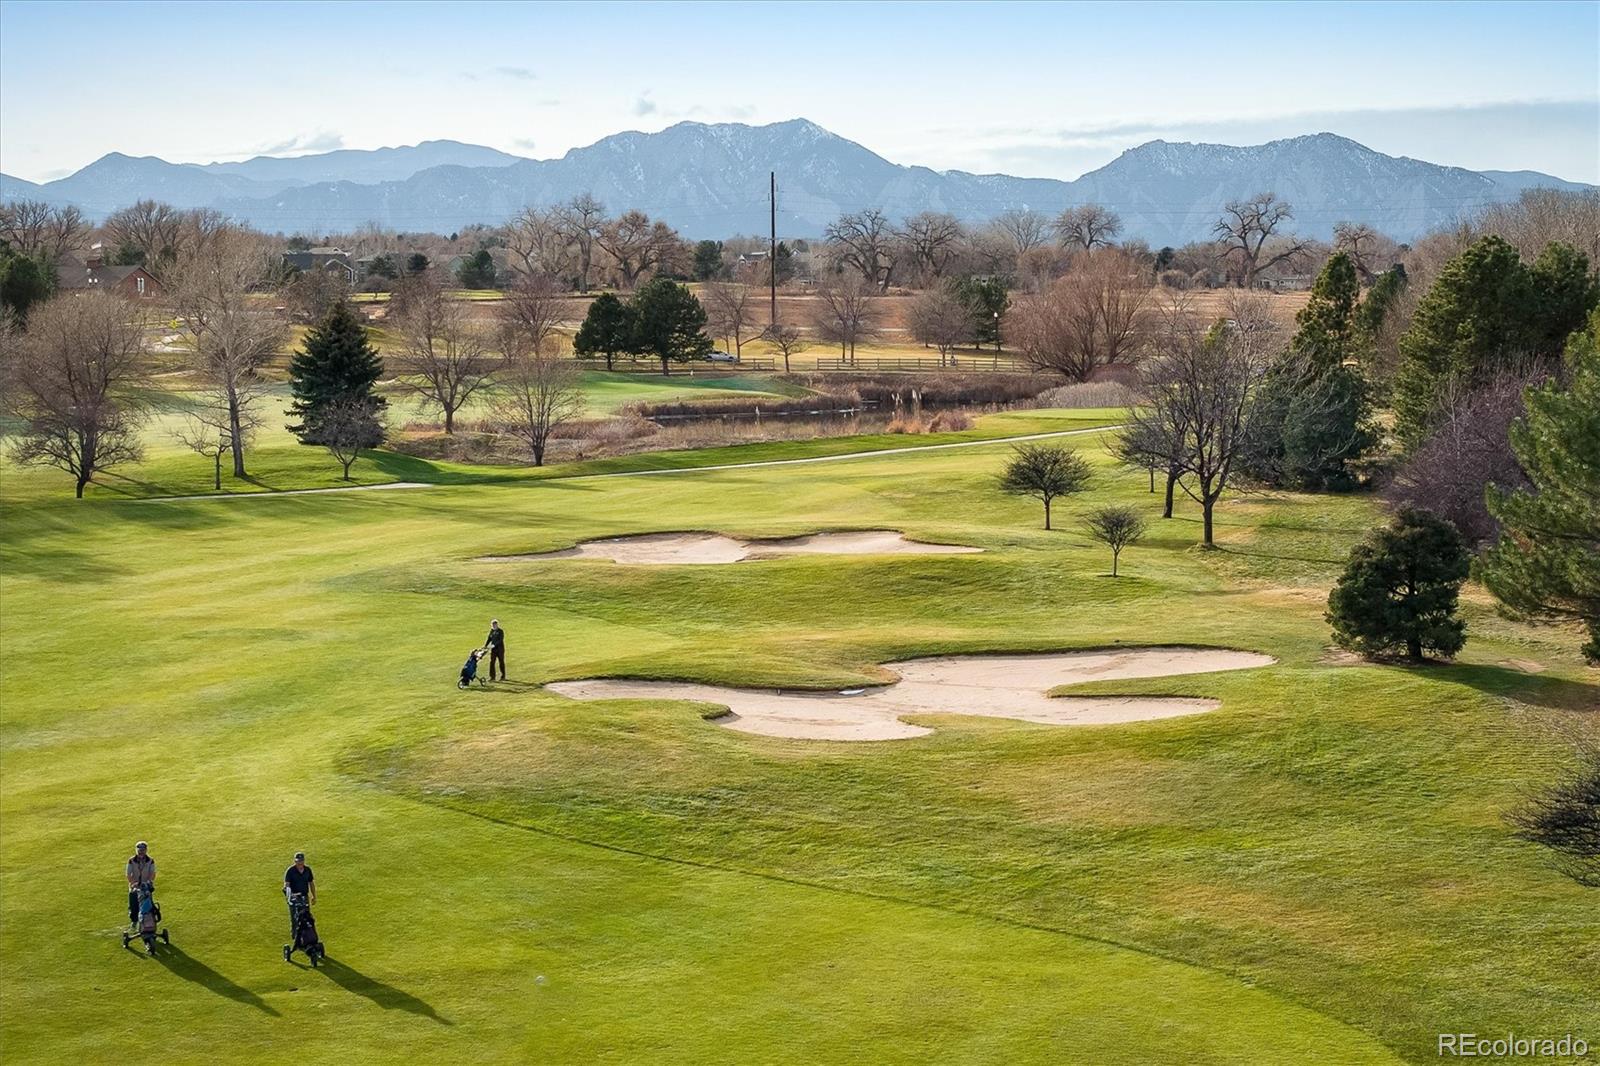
{"x":536,"y":394}
{"x":1195,"y":392}
{"x":1469,"y":450}
{"x":1090,"y":318}
{"x":731,"y":310}
{"x":1087,"y":227}
{"x":539,"y":242}
{"x":212,"y":432}
{"x":532,"y":310}
{"x":148,"y":228}
{"x":348,"y":425}
{"x":582,"y":219}
{"x":41,"y":230}
{"x":445,"y":355}
{"x":864,"y":243}
{"x":1360,"y":241}
{"x":787,"y":339}
{"x":931,"y":238}
{"x":1243,"y":232}
{"x":940,"y":318}
{"x":1044,"y":472}
{"x":231,"y":334}
{"x":1116,"y":528}
{"x":636,"y":244}
{"x":1024,"y":229}
{"x":845,"y":312}
{"x":69,"y":385}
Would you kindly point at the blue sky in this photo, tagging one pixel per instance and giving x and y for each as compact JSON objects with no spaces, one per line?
{"x":1034,"y":89}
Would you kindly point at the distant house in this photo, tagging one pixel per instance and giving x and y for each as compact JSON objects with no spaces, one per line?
{"x":327,"y":259}
{"x":93,"y":274}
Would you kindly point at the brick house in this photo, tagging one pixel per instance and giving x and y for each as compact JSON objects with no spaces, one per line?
{"x":93,"y":274}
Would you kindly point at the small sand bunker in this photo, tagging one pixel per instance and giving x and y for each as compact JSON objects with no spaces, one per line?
{"x":994,"y":686}
{"x":667,"y":549}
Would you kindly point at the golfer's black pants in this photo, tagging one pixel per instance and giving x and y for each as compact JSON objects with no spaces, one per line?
{"x":133,"y":905}
{"x":497,"y":654}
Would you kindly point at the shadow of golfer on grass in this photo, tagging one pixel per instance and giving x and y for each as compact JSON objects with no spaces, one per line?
{"x":386,"y":996}
{"x":192,"y":969}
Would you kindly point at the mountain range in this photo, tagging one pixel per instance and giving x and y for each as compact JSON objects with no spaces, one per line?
{"x":711,"y":180}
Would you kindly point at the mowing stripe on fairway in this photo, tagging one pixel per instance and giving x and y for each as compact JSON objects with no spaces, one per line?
{"x":875,"y":453}
{"x":288,"y":492}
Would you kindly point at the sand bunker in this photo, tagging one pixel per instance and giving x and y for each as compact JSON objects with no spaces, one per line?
{"x":994,"y":686}
{"x":662,"y":549}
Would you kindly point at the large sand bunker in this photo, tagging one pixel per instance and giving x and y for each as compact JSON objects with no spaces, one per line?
{"x":660,"y":549}
{"x":994,"y":686}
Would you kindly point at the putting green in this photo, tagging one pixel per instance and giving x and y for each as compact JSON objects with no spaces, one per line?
{"x":1318,"y":871}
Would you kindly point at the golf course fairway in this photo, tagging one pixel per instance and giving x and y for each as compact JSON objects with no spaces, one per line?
{"x":1319,"y":870}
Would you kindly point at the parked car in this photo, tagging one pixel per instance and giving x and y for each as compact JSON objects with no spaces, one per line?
{"x":722,"y":357}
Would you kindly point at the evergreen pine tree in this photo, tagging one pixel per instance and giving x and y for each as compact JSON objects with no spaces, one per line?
{"x":1547,"y":562}
{"x":1312,"y":416}
{"x":607,"y":329}
{"x":669,"y":323}
{"x":332,"y":378}
{"x":1326,"y":333}
{"x":1400,"y":587}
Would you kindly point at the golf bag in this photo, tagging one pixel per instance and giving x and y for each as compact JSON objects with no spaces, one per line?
{"x":469,"y":670}
{"x":147,"y":926}
{"x":303,"y":931}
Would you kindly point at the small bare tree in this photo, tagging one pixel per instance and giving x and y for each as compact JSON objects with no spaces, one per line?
{"x":1045,"y":472}
{"x":1087,"y":227}
{"x":1194,"y":396}
{"x":863,"y":242}
{"x":845,"y":312}
{"x":231,"y":334}
{"x":69,"y":387}
{"x":940,"y":318}
{"x":536,"y":394}
{"x":787,"y":339}
{"x":43,"y":231}
{"x":1116,"y":528}
{"x":445,"y":356}
{"x":1244,"y":230}
{"x":346,"y":426}
{"x":211,"y":432}
{"x":731,"y":310}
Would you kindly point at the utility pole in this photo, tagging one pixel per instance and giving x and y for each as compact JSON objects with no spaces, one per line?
{"x":772,"y":252}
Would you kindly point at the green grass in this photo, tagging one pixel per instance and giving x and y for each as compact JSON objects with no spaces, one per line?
{"x":1317,"y":872}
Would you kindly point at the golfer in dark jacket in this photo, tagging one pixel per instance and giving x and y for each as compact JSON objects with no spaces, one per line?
{"x":496,"y":643}
{"x":299,"y":881}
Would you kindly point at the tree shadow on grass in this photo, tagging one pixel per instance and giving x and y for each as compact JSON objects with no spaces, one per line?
{"x":1539,"y":690}
{"x":192,"y":969}
{"x":386,"y":996}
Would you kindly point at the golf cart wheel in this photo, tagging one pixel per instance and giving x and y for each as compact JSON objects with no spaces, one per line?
{"x":287,"y":950}
{"x":165,"y":939}
{"x":126,"y":939}
{"x":315,"y":956}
